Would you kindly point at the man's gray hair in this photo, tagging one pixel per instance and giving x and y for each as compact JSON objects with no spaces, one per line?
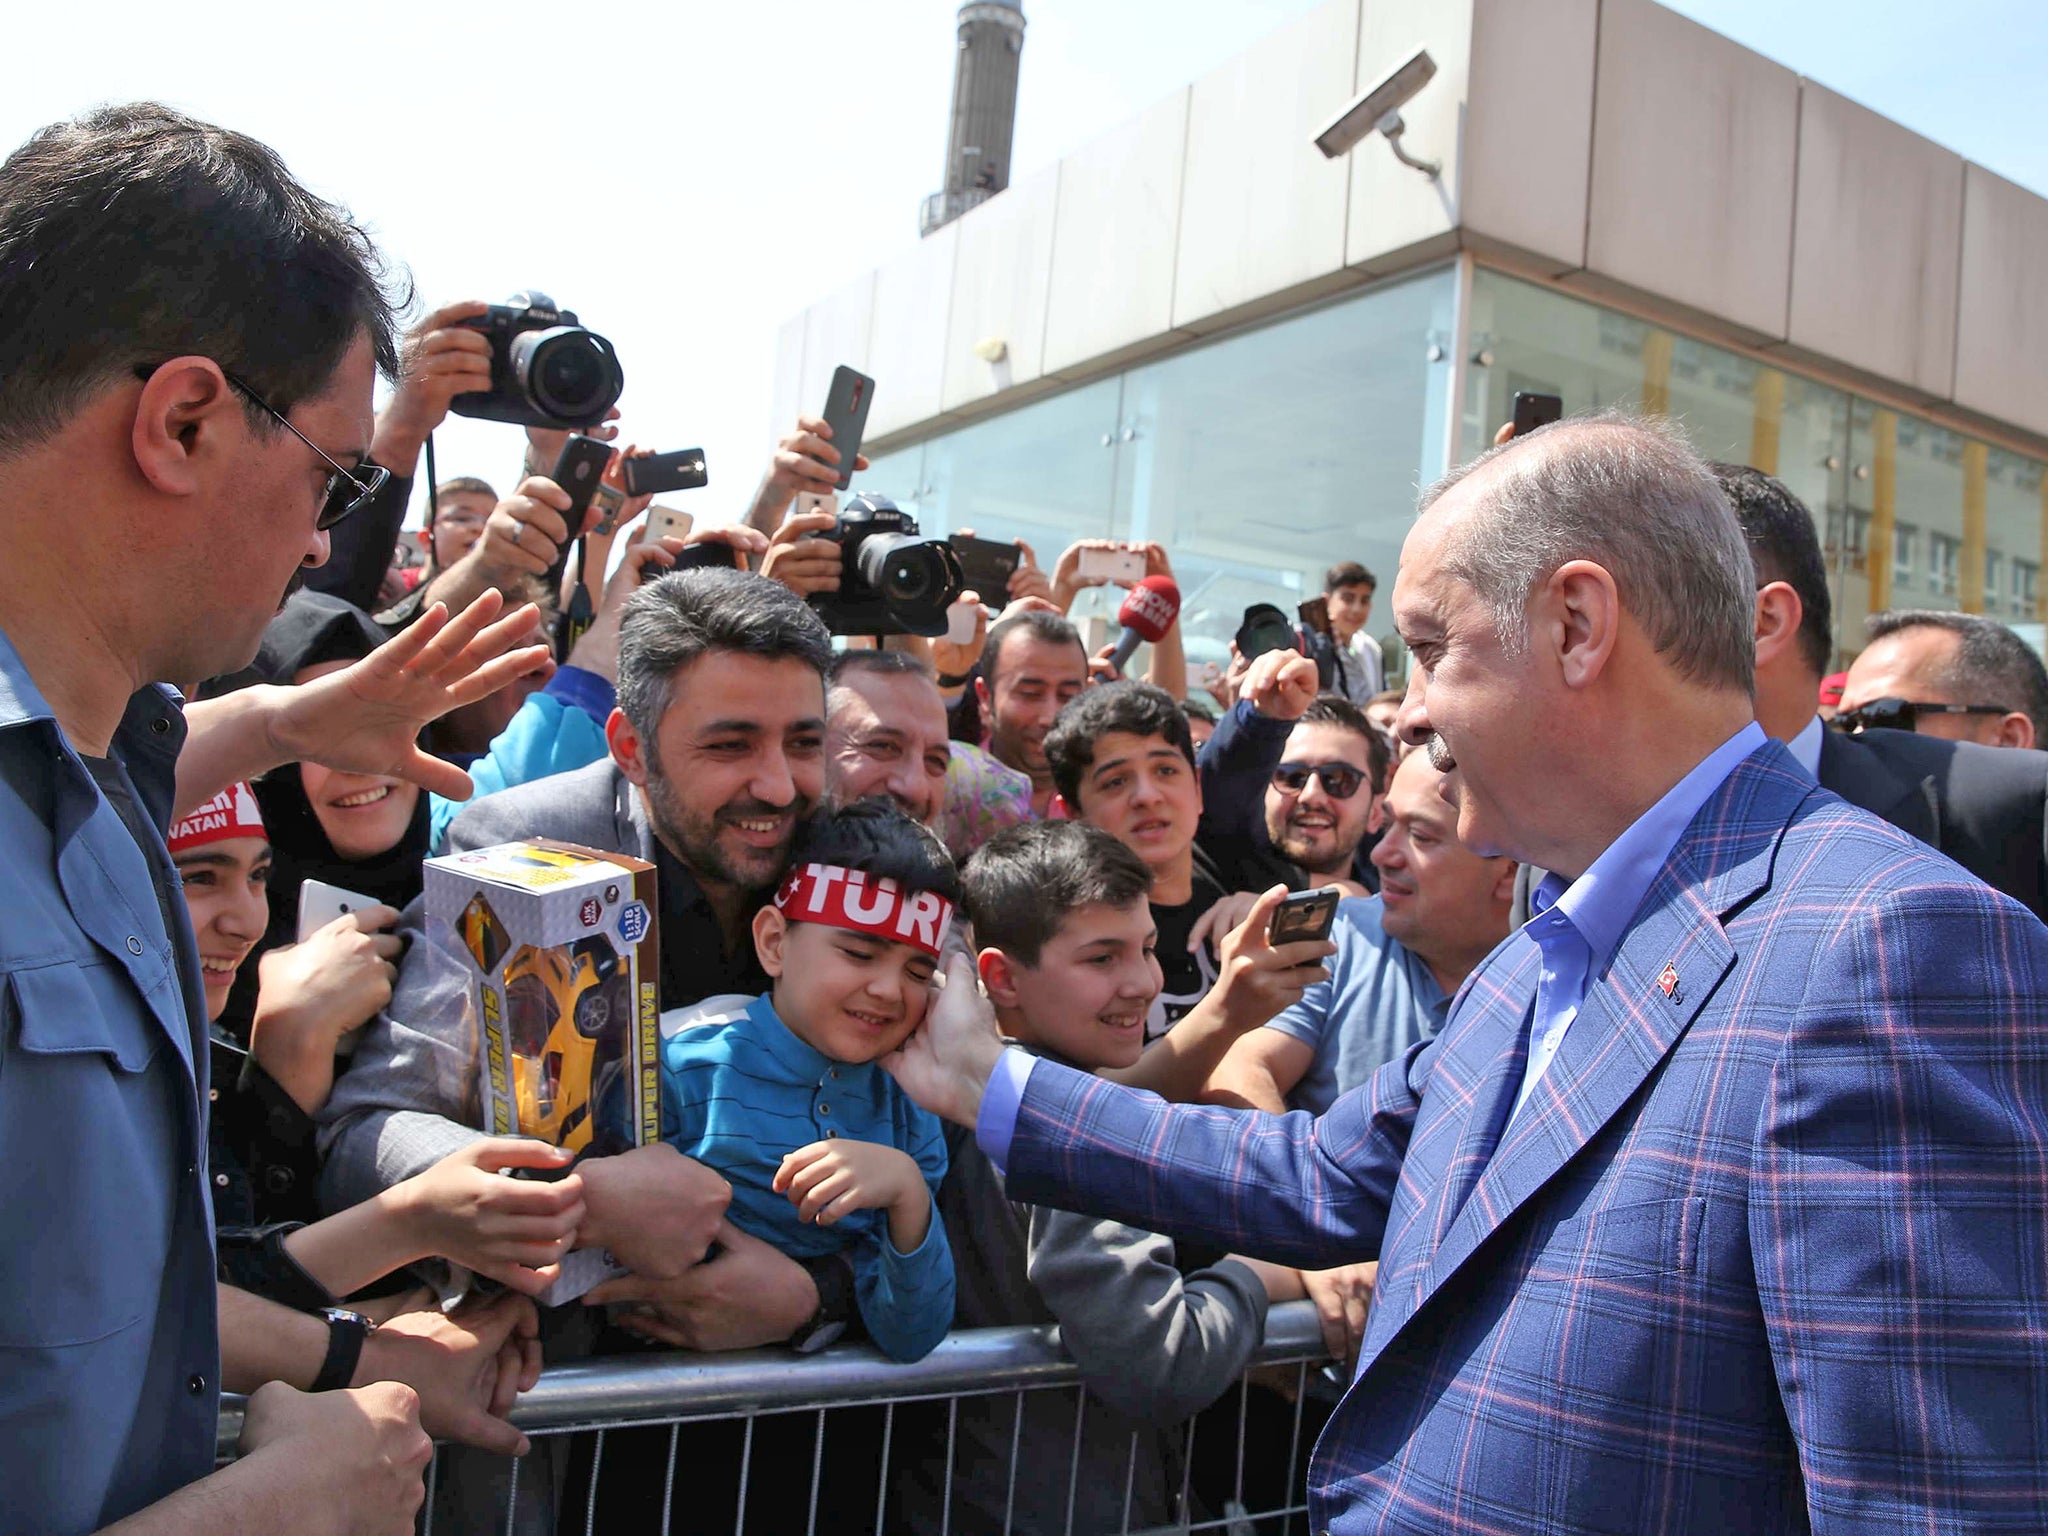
{"x":671,"y":622}
{"x":1631,"y":495}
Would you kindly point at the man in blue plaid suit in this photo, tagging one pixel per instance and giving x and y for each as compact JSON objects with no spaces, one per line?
{"x":1720,"y":1204}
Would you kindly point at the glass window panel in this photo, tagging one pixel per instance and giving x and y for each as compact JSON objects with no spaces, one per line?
{"x":1042,"y":473}
{"x":898,"y":476}
{"x":1262,"y":459}
{"x":1734,"y":409}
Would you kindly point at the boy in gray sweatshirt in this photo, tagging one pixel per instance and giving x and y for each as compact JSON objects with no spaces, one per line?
{"x":1064,"y":934}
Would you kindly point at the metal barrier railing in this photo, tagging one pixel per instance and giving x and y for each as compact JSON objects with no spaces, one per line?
{"x":596,"y":1398}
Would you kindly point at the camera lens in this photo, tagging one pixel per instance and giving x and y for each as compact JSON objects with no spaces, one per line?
{"x":566,"y":373}
{"x":902,"y":568}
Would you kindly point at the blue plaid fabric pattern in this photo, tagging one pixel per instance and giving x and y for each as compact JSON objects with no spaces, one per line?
{"x":1766,"y":1250}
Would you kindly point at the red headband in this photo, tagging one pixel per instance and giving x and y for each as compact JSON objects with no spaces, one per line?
{"x":231,"y":813}
{"x":848,"y":898}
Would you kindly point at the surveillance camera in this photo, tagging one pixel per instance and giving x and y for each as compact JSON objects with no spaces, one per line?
{"x":1383,"y":100}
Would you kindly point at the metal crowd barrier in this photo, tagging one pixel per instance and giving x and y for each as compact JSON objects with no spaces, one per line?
{"x":597,"y":1397}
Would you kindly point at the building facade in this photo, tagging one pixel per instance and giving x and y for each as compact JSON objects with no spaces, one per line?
{"x":1196,"y":330}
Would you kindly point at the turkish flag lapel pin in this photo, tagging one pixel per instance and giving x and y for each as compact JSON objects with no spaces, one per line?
{"x":1667,"y":981}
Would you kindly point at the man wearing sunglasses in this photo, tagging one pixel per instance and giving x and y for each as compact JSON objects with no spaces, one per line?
{"x":1958,"y":675}
{"x":1893,"y":756}
{"x":1323,"y":797}
{"x":1985,"y":808}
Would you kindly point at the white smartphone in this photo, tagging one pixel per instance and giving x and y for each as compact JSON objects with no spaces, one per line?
{"x":960,"y":623}
{"x":668,"y":523}
{"x":808,"y":502}
{"x":321,"y":903}
{"x":1122,"y":565}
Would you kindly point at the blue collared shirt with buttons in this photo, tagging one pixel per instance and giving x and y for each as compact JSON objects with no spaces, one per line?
{"x":109,"y":1342}
{"x":739,"y":1096}
{"x":1577,"y":925}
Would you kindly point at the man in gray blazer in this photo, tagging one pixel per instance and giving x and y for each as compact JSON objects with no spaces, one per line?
{"x":717,"y":752}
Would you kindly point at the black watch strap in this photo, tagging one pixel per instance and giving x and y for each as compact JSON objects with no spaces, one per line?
{"x":346,"y":1331}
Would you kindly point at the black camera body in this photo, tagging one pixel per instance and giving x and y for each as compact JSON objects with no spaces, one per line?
{"x":546,"y":369}
{"x":892,"y":580}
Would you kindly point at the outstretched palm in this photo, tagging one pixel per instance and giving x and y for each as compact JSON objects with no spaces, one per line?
{"x":367,"y":718}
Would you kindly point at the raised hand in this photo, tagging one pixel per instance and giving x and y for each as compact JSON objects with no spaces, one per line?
{"x":367,"y":718}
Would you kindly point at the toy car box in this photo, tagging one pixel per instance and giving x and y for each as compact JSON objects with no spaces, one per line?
{"x":559,"y":952}
{"x":562,"y":958}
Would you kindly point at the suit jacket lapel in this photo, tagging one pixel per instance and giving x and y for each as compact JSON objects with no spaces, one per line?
{"x":1629,"y":1022}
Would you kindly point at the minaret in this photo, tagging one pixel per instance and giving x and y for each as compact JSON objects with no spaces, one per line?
{"x":984,"y":109}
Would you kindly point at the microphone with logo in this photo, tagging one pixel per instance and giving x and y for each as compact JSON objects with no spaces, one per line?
{"x":1146,"y":615}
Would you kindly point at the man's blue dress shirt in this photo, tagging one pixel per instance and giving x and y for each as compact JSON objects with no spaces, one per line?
{"x":109,"y":1344}
{"x":739,"y":1096}
{"x":1578,"y":925}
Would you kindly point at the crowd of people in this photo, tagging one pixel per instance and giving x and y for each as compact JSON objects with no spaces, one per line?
{"x":974,"y":1010}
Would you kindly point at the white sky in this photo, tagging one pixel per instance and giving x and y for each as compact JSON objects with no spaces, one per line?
{"x":688,"y":175}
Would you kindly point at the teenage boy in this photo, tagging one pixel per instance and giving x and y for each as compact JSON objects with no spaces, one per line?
{"x":1122,"y":759}
{"x":785,"y":1098}
{"x":1059,"y":910}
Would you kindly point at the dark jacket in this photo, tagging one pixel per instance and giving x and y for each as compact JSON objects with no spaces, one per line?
{"x":1982,"y":806}
{"x":1985,"y":807}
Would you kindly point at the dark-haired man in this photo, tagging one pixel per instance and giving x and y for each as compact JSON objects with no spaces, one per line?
{"x":885,"y":731}
{"x":1958,"y":675}
{"x":1033,"y":665}
{"x":717,"y":752}
{"x":1323,"y":796}
{"x":188,"y":344}
{"x":1986,"y":809}
{"x":1358,"y":669}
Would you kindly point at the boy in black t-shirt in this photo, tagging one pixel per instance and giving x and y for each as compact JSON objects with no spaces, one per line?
{"x":1122,"y":759}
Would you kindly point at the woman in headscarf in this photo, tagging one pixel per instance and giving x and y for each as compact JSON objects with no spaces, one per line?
{"x":365,"y":834}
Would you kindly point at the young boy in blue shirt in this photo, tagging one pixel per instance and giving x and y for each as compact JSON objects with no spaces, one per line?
{"x":823,"y":1151}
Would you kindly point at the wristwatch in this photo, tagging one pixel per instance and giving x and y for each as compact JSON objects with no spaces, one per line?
{"x":833,"y":1275}
{"x":346,"y":1331}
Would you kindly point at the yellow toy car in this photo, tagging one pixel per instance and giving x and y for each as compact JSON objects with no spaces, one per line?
{"x":566,"y":1011}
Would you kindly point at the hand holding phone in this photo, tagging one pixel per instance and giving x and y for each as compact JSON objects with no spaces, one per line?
{"x":1533,"y":410}
{"x":1306,"y":915}
{"x":846,"y":413}
{"x":681,"y":470}
{"x":1123,"y":566}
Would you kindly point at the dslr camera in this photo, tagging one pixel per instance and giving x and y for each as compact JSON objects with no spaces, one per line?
{"x":546,"y":369}
{"x":892,"y":580}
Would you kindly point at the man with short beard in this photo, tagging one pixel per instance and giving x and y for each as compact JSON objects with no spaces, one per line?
{"x":717,"y":752}
{"x":1324,"y":795}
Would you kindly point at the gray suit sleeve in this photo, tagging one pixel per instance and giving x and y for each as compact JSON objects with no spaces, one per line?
{"x":409,"y":1097}
{"x":1149,"y":1343}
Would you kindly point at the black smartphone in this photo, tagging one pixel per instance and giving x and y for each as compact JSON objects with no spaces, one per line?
{"x":1533,"y":410}
{"x":1306,"y":915}
{"x":577,"y":471}
{"x":1315,"y":615}
{"x":682,"y":470}
{"x":846,"y":413}
{"x":987,"y":565}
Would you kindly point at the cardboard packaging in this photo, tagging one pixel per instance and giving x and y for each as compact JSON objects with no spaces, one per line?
{"x":560,"y":951}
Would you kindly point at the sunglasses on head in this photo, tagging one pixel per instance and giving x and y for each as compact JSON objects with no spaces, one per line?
{"x":1903,"y":714}
{"x":1340,"y":781}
